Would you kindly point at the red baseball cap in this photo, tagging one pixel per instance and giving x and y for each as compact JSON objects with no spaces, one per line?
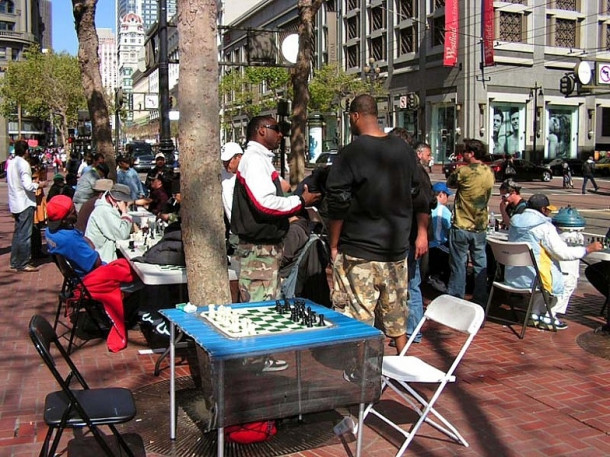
{"x":59,"y":207}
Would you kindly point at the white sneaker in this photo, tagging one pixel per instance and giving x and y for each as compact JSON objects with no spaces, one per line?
{"x":275,"y":365}
{"x":437,"y":284}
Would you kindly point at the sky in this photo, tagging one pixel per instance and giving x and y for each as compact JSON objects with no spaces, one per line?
{"x":64,"y":33}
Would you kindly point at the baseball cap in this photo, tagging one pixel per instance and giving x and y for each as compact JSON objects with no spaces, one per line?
{"x":59,"y":207}
{"x":229,"y":150}
{"x":539,"y":201}
{"x":120,"y":192}
{"x":441,"y":187}
{"x":122,"y":159}
{"x":103,"y":185}
{"x":510,"y":184}
{"x":58,"y":177}
{"x":160,"y":155}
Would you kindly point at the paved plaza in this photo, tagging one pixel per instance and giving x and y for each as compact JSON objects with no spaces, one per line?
{"x":541,"y":396}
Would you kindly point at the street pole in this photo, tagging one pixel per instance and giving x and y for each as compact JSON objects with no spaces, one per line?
{"x":117,"y":120}
{"x":536,"y":120}
{"x":166,"y":145}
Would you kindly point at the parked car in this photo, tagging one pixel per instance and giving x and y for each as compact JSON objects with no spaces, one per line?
{"x":526,"y":170}
{"x":143,"y":161}
{"x":556,"y":166}
{"x":326,"y":159}
{"x":450,"y":167}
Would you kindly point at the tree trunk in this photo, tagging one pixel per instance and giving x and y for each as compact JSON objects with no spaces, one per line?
{"x":300,"y":78}
{"x":88,"y":59}
{"x":201,"y":208}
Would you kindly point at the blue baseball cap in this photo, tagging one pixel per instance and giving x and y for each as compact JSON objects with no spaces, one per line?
{"x":441,"y":187}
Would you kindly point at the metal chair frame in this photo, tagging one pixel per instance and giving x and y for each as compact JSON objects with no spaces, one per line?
{"x":399,"y":372}
{"x":82,"y":407}
{"x":517,"y":254}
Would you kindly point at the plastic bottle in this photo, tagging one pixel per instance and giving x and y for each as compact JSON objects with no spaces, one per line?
{"x":491,"y":226}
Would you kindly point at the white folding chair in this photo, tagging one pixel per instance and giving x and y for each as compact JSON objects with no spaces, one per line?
{"x":516,"y":254}
{"x":400,"y":371}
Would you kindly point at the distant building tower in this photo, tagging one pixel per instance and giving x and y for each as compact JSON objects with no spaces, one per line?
{"x":146,"y":9}
{"x":47,"y":19}
{"x":131,"y":37}
{"x":108,"y":59}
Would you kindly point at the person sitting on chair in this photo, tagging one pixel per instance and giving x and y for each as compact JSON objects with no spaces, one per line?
{"x":511,"y":203}
{"x":102,"y":280}
{"x":535,"y":227}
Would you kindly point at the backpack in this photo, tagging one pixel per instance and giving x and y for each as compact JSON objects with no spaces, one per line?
{"x":252,"y":432}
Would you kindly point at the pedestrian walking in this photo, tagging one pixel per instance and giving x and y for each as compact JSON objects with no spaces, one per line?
{"x":588,"y":170}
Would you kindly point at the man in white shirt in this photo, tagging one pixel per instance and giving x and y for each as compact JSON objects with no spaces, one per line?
{"x":230,"y":154}
{"x":22,"y":204}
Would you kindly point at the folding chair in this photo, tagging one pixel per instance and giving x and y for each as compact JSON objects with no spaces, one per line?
{"x":82,"y":407}
{"x":400,"y":371}
{"x":517,"y":254}
{"x":76,"y":298}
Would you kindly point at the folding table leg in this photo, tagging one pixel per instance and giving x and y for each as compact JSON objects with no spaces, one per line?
{"x":360,"y":429}
{"x":172,"y":381}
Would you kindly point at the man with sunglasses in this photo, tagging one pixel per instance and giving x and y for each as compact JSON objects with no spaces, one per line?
{"x":511,"y":203}
{"x":260,"y":212}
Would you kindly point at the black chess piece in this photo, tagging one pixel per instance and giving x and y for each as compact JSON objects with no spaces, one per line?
{"x":321,"y":322}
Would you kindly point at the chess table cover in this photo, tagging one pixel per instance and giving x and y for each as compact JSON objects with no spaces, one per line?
{"x":234,"y":389}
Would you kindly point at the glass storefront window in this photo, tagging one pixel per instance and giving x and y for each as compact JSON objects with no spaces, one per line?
{"x":562,"y":123}
{"x":507,"y":129}
{"x":442,"y":131}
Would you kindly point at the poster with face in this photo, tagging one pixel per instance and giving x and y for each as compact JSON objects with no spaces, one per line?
{"x":559,"y":138}
{"x":507,"y":129}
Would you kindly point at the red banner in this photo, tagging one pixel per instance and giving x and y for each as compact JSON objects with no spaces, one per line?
{"x":488,"y":33}
{"x":451,"y":33}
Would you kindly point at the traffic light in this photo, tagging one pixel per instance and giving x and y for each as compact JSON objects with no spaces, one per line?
{"x":567,"y":83}
{"x":171,"y":102}
{"x":412,"y":101}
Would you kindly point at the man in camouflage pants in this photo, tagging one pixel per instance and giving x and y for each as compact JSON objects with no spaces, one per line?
{"x":260,"y":212}
{"x":474,"y":183}
{"x":370,"y":210}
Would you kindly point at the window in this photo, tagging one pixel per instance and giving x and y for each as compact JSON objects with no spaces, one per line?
{"x":511,"y":27}
{"x":605,"y":121}
{"x":406,"y":9}
{"x":352,"y":56}
{"x":7,"y":26}
{"x":352,"y":27}
{"x":2,"y":53}
{"x":377,"y":48}
{"x":331,"y":6}
{"x":437,"y":31}
{"x":562,"y":33}
{"x":407,"y":40}
{"x":376,"y":19}
{"x":7,"y":7}
{"x":604,"y":36}
{"x":567,"y":5}
{"x":352,"y":5}
{"x":438,"y":4}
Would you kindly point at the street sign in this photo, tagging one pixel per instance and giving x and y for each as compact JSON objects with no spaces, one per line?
{"x":603,"y":72}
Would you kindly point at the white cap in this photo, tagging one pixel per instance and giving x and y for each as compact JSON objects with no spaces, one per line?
{"x":160,"y":155}
{"x":229,"y":150}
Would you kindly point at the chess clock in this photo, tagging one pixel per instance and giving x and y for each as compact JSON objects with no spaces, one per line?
{"x":584,"y":73}
{"x":151,"y":101}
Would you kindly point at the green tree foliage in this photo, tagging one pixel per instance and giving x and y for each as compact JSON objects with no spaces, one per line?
{"x":330,"y":84}
{"x":44,"y":84}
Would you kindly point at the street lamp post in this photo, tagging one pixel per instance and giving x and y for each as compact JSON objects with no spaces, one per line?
{"x":166,"y":145}
{"x":535,"y":92}
{"x":371,"y":73}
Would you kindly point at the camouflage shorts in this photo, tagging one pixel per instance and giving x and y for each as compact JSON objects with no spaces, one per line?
{"x":259,"y":278}
{"x":366,"y":290}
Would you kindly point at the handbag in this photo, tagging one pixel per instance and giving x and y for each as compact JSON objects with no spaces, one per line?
{"x":252,"y":432}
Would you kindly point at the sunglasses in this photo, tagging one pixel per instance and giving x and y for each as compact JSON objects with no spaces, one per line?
{"x":274,"y":127}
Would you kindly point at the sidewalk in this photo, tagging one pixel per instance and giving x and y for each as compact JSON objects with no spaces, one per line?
{"x":540,"y":396}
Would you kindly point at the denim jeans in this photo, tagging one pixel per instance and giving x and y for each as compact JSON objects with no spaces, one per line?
{"x":416,"y":302}
{"x":462,"y":242}
{"x":586,"y":179}
{"x":22,"y":238}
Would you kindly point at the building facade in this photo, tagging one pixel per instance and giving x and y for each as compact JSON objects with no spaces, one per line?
{"x":20,"y":27}
{"x":488,"y":70}
{"x":108,"y":59}
{"x":146,"y":9}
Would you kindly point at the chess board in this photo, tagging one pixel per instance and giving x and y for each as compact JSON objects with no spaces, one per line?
{"x":266,"y":320}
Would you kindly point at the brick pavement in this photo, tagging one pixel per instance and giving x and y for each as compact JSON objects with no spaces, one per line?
{"x":540,"y":396}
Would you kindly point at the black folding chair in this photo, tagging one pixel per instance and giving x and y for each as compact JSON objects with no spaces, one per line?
{"x":82,"y":407}
{"x":78,"y":302}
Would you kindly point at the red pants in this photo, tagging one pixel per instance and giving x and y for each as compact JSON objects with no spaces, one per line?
{"x":104,"y":285}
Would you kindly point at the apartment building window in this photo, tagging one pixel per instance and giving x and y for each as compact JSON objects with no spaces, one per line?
{"x":377,"y":18}
{"x":331,"y":6}
{"x":352,"y":27}
{"x":352,"y":56}
{"x":7,"y":7}
{"x":2,"y":53}
{"x":407,"y":40}
{"x":351,"y":5}
{"x":437,"y":31}
{"x":511,"y":27}
{"x":437,"y":4}
{"x":567,"y":5}
{"x":605,"y":7}
{"x":406,"y":9}
{"x":562,"y":33}
{"x":7,"y":26}
{"x":604,"y":36}
{"x":377,"y":48}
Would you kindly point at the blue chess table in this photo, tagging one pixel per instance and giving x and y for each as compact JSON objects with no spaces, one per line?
{"x":239,"y":389}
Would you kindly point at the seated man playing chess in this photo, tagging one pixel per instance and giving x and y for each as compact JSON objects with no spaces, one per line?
{"x":102,"y":280}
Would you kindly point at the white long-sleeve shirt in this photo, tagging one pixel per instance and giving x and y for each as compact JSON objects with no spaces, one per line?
{"x":21,"y":189}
